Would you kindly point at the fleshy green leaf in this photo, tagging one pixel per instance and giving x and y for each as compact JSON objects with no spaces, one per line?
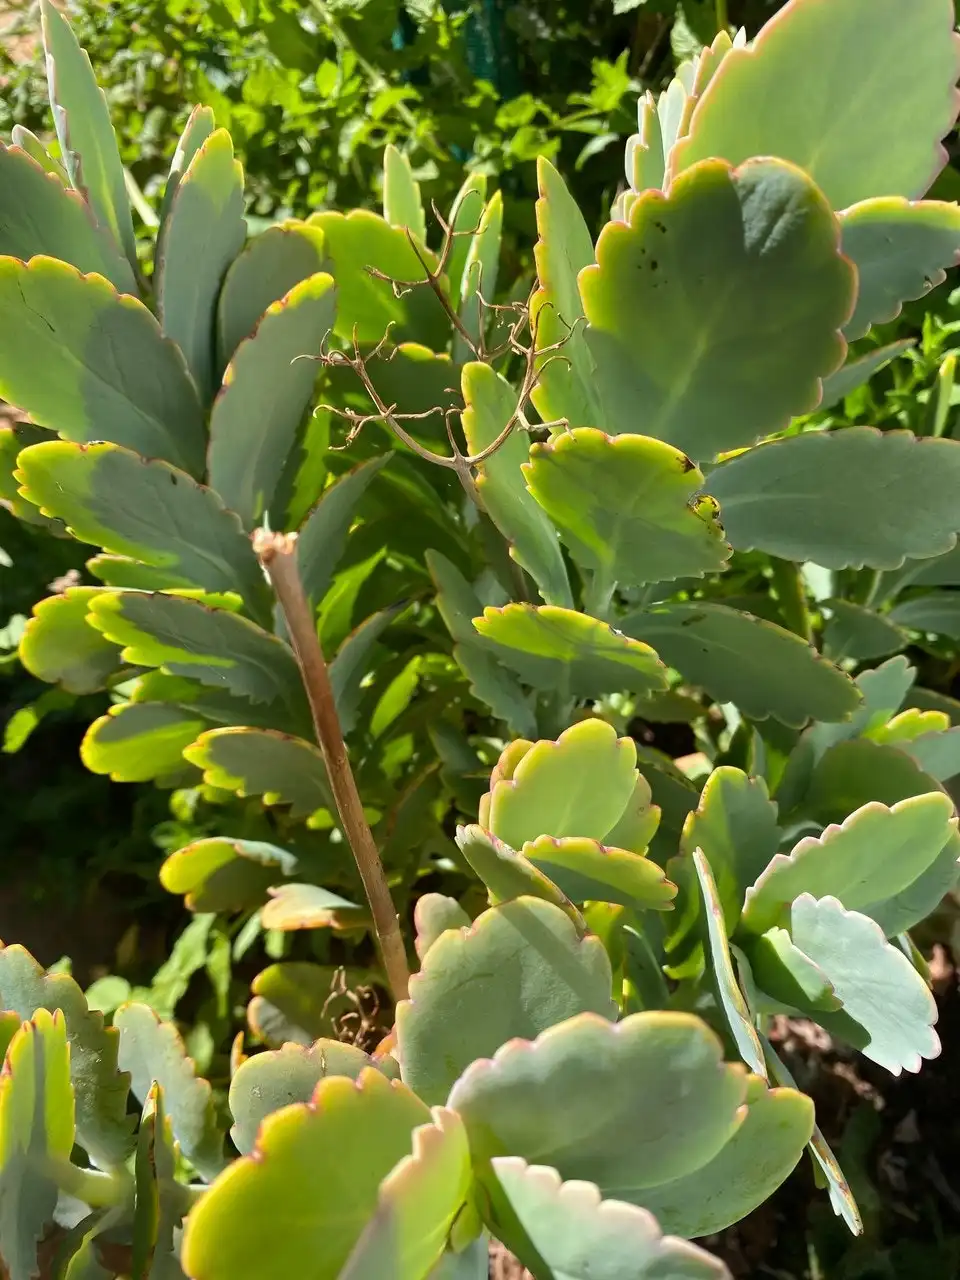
{"x":270,"y":1081}
{"x":781,"y":972}
{"x":857,"y":373}
{"x":82,"y":119}
{"x":38,"y":215}
{"x":565,"y":1231}
{"x":303,"y":997}
{"x":558,"y":649}
{"x":260,"y":762}
{"x":200,"y":124}
{"x":715,"y":311}
{"x":901,"y":252}
{"x":148,"y":511}
{"x":904,"y":910}
{"x":103,"y":1127}
{"x":266,"y":389}
{"x":31,"y":144}
{"x":433,"y":915}
{"x":350,"y":1137}
{"x":272,"y":264}
{"x":879,"y":988}
{"x":763,"y":669}
{"x":856,"y":134}
{"x":937,"y":611}
{"x":758,"y":1158}
{"x":874,"y":855}
{"x":586,"y":870}
{"x":825,"y":496}
{"x":479,"y":277}
{"x":308,"y":906}
{"x":519,"y":968}
{"x":140,"y":741}
{"x":402,"y":205}
{"x":222,"y":874}
{"x":36,"y":1131}
{"x":152,"y":1051}
{"x":464,"y":219}
{"x":362,"y":239}
{"x":626,"y":506}
{"x":204,"y":232}
{"x":350,"y":667}
{"x":59,"y":645}
{"x":855,"y":632}
{"x":857,"y":772}
{"x":490,"y":404}
{"x":567,"y":387}
{"x":507,"y":874}
{"x":576,"y":786}
{"x":215,"y":646}
{"x":669,"y":1102}
{"x":730,"y":998}
{"x":159,"y":1200}
{"x":419,"y":1201}
{"x":91,"y":364}
{"x":937,"y":754}
{"x":322,"y":539}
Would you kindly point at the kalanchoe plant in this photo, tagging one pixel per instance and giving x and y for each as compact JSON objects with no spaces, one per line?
{"x":615,"y":567}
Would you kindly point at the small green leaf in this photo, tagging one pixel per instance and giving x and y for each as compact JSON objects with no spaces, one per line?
{"x":788,"y":978}
{"x":148,"y":511}
{"x":272,"y":264}
{"x":490,"y":405}
{"x":308,"y":906}
{"x":59,"y":645}
{"x":565,"y":1231}
{"x":937,"y":612}
{"x":937,"y":754}
{"x":225,"y":875}
{"x":303,"y":996}
{"x":761,"y":668}
{"x":586,"y":870}
{"x":260,"y":762}
{"x":322,"y":539}
{"x":855,"y":632}
{"x":204,"y":232}
{"x":758,"y":1158}
{"x":878,"y":986}
{"x":36,"y":1132}
{"x":626,"y":506}
{"x":402,"y":205}
{"x":140,"y":741}
{"x":669,"y":1102}
{"x":567,"y":387}
{"x":875,"y":854}
{"x":270,"y":1081}
{"x":479,"y":282}
{"x":91,"y":364}
{"x":901,"y":251}
{"x":723,"y":978}
{"x":38,"y":215}
{"x":433,"y":915}
{"x":857,"y":373}
{"x":419,"y":1202}
{"x":212,"y":645}
{"x":159,"y":1200}
{"x":715,"y":311}
{"x":464,"y":219}
{"x":520,"y":968}
{"x":82,"y":119}
{"x":825,"y":496}
{"x":508,"y":875}
{"x":200,"y":124}
{"x":153,"y":1052}
{"x":103,"y":1128}
{"x":360,"y":240}
{"x":266,"y":389}
{"x":31,"y":144}
{"x":576,"y":786}
{"x":557,"y":649}
{"x":854,"y":773}
{"x":349,"y":669}
{"x":350,"y":1137}
{"x":856,"y":134}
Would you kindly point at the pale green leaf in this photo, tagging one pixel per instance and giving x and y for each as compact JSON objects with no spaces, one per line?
{"x":59,"y":645}
{"x":402,"y":205}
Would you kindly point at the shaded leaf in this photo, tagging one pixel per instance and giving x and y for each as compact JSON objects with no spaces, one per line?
{"x":204,"y":232}
{"x":714,"y":312}
{"x":901,"y":912}
{"x":857,"y":373}
{"x":349,"y":668}
{"x":91,"y":364}
{"x":200,"y":124}
{"x":153,"y":1052}
{"x":402,"y":205}
{"x":781,"y":96}
{"x":149,"y":511}
{"x":308,"y":906}
{"x":937,"y":612}
{"x":626,"y":506}
{"x":222,"y":874}
{"x":322,"y":539}
{"x":507,"y":874}
{"x":479,"y":283}
{"x":519,"y":968}
{"x":761,"y":668}
{"x":856,"y":632}
{"x":260,"y":762}
{"x":266,"y":389}
{"x":825,"y":496}
{"x":853,"y":773}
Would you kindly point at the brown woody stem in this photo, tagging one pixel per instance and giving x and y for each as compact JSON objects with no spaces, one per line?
{"x":278,"y":556}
